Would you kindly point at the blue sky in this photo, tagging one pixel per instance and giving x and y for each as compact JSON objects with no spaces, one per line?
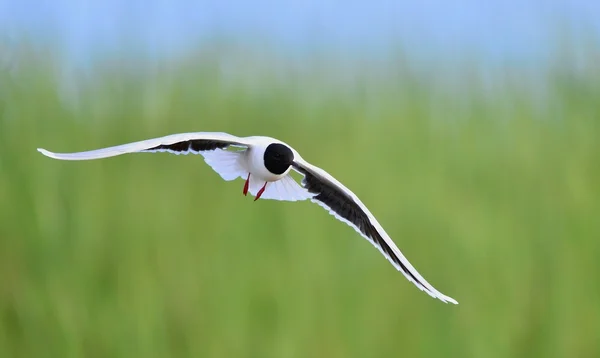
{"x":495,"y":28}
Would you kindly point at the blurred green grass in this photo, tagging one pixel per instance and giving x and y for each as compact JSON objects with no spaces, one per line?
{"x":494,"y":199}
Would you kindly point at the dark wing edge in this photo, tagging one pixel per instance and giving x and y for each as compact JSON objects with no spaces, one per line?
{"x":193,"y":146}
{"x":346,"y":207}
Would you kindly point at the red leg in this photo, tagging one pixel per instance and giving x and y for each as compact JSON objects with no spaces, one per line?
{"x":246,"y":185}
{"x":260,"y":191}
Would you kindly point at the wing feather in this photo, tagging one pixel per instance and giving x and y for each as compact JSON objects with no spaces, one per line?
{"x":181,"y":143}
{"x":344,"y":205}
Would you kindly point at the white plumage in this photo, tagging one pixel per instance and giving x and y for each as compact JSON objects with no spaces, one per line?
{"x":265,"y":164}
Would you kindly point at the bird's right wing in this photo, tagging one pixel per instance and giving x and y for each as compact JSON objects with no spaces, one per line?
{"x":181,"y":143}
{"x":211,"y":145}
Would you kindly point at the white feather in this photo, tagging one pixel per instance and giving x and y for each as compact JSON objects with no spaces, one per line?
{"x":226,"y":163}
{"x":284,"y":189}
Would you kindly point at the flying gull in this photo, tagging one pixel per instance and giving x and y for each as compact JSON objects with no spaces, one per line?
{"x":265,"y":164}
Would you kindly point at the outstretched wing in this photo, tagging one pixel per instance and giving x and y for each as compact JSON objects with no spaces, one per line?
{"x":346,"y":207}
{"x":182,"y":143}
{"x":211,"y":145}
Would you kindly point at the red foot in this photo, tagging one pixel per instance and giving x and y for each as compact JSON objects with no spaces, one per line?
{"x":260,"y":191}
{"x":246,"y":185}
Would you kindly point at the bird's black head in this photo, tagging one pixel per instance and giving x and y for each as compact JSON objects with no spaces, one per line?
{"x":278,"y":158}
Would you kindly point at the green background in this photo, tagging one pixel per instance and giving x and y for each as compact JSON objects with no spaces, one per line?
{"x":491,"y":191}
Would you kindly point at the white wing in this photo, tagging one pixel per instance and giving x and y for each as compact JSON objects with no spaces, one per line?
{"x":346,"y":207}
{"x":226,"y":163}
{"x":182,"y":143}
{"x":210,"y":145}
{"x":284,"y":189}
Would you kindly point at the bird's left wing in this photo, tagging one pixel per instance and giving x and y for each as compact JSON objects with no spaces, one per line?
{"x":346,"y":207}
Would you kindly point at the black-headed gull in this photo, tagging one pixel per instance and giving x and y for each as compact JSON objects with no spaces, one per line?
{"x":265,"y":164}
